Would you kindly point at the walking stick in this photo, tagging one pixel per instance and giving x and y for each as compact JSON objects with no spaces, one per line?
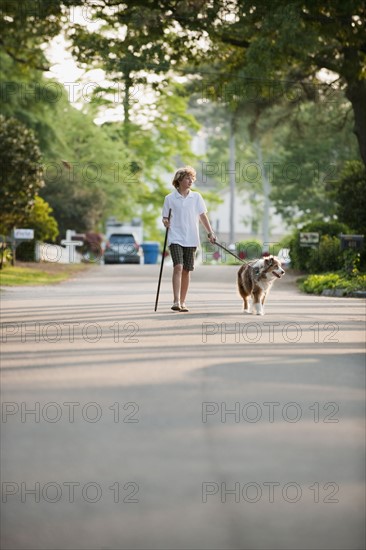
{"x":162,"y":262}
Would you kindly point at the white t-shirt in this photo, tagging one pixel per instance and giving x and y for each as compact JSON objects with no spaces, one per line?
{"x":184,"y":219}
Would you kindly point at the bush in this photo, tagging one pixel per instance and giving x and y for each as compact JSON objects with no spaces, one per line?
{"x":5,"y":252}
{"x":45,"y":229}
{"x":315,"y":284}
{"x":327,"y":257}
{"x":352,"y":262}
{"x":249,"y":250}
{"x":92,"y":248}
{"x":304,"y":258}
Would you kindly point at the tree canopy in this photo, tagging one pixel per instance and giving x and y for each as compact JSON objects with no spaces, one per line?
{"x":290,"y":75}
{"x":243,"y":48}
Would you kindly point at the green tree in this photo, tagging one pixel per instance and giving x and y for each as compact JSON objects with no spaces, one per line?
{"x":29,"y":97}
{"x":26,"y":26}
{"x":327,"y":35}
{"x":350,"y":196}
{"x":94,"y":182}
{"x":304,"y":148}
{"x":263,"y":50}
{"x":126,"y":51}
{"x":306,"y":155}
{"x":21,"y":172}
{"x":81,"y":193}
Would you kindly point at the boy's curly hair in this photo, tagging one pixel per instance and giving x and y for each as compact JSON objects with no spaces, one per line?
{"x":182,"y":173}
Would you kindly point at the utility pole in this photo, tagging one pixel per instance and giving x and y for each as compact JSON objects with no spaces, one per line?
{"x":232,"y":179}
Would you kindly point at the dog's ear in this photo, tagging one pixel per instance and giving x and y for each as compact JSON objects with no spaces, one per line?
{"x":269,"y":260}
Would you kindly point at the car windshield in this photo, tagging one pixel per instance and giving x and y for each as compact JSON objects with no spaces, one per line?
{"x":121,"y":239}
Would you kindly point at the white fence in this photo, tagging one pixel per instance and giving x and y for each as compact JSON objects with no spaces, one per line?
{"x":46,"y":252}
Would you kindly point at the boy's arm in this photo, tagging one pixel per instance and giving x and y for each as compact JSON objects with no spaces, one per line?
{"x":165,"y":220}
{"x":206,"y":224}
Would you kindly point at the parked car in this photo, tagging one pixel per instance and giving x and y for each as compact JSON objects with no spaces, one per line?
{"x":122,"y":248}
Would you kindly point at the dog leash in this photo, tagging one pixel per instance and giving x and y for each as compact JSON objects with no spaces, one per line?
{"x":232,"y":253}
{"x":248,"y":263}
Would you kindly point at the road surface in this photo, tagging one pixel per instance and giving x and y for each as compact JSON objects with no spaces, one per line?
{"x":128,"y":429}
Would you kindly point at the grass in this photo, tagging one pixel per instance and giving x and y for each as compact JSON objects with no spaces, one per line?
{"x":43,"y":273}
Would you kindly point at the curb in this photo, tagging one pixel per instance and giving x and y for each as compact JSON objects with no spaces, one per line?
{"x":340,"y":292}
{"x":358,"y":294}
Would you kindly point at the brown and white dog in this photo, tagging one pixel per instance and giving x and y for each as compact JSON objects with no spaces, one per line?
{"x":255,"y":279}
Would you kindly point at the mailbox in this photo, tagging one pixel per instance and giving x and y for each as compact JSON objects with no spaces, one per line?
{"x":23,"y":234}
{"x":354,"y":242}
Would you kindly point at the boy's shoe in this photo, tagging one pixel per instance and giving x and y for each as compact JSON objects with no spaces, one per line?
{"x":183,"y":307}
{"x":176,"y":307}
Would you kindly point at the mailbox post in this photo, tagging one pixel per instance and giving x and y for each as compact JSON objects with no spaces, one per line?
{"x":352,"y":243}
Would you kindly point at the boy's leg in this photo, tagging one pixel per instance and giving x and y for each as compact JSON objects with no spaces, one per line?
{"x":176,"y":252}
{"x":177,"y":282}
{"x":184,"y":285}
{"x":188,"y":266}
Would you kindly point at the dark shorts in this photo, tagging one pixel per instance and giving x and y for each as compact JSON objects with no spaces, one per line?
{"x":183,"y":255}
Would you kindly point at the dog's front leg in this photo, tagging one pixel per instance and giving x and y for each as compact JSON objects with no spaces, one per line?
{"x":257,"y":304}
{"x":259,"y":309}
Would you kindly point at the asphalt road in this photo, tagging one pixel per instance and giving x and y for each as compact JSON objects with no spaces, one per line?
{"x":128,"y":429}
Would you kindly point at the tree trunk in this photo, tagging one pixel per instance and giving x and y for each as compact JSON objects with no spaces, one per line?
{"x":356,"y":93}
{"x":232,"y":179}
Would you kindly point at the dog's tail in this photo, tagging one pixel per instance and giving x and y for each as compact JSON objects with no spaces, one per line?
{"x":240,"y":277}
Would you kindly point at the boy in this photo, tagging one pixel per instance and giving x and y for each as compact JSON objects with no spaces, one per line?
{"x":187,"y":209}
